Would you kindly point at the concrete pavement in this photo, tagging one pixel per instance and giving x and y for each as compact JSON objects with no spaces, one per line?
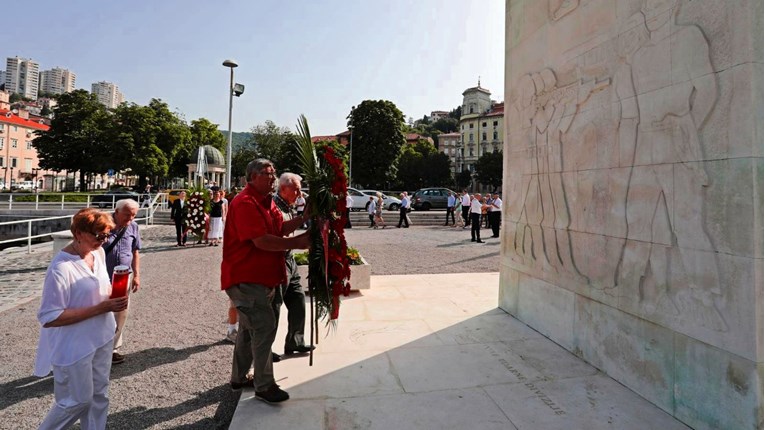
{"x":435,"y":352}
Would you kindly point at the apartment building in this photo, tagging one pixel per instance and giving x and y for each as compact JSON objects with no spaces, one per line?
{"x":108,"y":94}
{"x":22,"y":76}
{"x":57,"y":81}
{"x":481,"y":127}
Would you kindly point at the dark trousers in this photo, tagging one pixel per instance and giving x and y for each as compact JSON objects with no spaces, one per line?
{"x":180,"y":236}
{"x":258,"y":310}
{"x":494,"y":219}
{"x":294,"y":299}
{"x":348,"y":216}
{"x":450,"y":211}
{"x":402,"y":217}
{"x":475,"y":226}
{"x":466,"y":214}
{"x":371,"y":220}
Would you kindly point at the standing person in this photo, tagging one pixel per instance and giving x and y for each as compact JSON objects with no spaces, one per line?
{"x":121,"y":249}
{"x":379,"y":221}
{"x":450,"y":203}
{"x":252,"y":273}
{"x":486,"y":210}
{"x":465,"y":208}
{"x":495,"y":214}
{"x":178,"y":215}
{"x":77,"y":334}
{"x":403,"y":218}
{"x":371,"y":209}
{"x":476,"y":205}
{"x":292,"y":292}
{"x":458,"y":209}
{"x":348,"y":206}
{"x":216,"y":220}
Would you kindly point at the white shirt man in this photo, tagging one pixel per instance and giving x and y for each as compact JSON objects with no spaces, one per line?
{"x":475,"y":218}
{"x":371,"y":208}
{"x":465,"y":208}
{"x":348,"y":206}
{"x":495,"y":216}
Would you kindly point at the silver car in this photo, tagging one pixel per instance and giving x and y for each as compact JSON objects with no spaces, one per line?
{"x":391,"y":203}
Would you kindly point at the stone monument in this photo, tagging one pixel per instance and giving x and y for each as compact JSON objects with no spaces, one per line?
{"x":633,"y":192}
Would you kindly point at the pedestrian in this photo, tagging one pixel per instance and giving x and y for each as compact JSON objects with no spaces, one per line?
{"x":292,"y":292}
{"x":450,"y":204}
{"x":476,"y":205}
{"x":77,"y":335}
{"x":496,"y":214}
{"x":300,"y":207}
{"x":458,"y":209}
{"x":216,"y":220}
{"x":178,"y":215}
{"x":486,"y":210}
{"x":252,"y":273}
{"x":380,"y":203}
{"x":465,"y":208}
{"x":122,"y":249}
{"x":348,"y":207}
{"x":403,"y":209}
{"x":371,"y":209}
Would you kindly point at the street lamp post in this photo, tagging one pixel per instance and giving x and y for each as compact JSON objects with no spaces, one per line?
{"x":231,"y":64}
{"x":350,"y":159}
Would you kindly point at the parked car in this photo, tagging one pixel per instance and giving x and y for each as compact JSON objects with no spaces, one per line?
{"x":391,"y":203}
{"x":360,"y":199}
{"x":107,"y":199}
{"x":426,"y":199}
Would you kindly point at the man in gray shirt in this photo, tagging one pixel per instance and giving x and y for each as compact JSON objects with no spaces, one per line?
{"x":121,"y":248}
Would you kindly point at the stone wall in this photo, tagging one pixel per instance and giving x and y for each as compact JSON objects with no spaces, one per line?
{"x":633,"y":218}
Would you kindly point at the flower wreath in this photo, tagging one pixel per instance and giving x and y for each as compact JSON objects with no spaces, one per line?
{"x":329,"y":270}
{"x":197,"y":207}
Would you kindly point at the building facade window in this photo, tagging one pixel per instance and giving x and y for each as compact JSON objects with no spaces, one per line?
{"x":483,"y":135}
{"x":2,"y":127}
{"x":2,"y":142}
{"x":471,"y":138}
{"x":29,"y":144}
{"x":495,"y":123}
{"x":27,"y":164}
{"x":471,"y":152}
{"x":471,"y":126}
{"x":14,"y":162}
{"x":484,"y":124}
{"x":14,"y":143}
{"x":15,"y":128}
{"x":2,"y":161}
{"x":495,"y":135}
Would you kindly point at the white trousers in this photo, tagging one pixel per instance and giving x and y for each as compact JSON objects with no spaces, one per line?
{"x":81,"y":392}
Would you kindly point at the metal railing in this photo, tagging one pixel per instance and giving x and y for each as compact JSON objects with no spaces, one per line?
{"x":42,"y":200}
{"x":148,"y":219}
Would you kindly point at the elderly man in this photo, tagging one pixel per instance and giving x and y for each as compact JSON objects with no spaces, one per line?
{"x":252,"y":273}
{"x":121,"y":248}
{"x":292,"y":292}
{"x":177,"y":214}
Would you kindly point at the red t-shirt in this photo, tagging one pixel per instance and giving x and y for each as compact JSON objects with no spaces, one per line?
{"x":251,"y":215}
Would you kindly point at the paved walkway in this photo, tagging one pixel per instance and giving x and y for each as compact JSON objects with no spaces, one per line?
{"x":435,"y":352}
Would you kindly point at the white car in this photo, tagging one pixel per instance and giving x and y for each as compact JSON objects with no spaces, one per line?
{"x":360,"y":199}
{"x":391,"y":203}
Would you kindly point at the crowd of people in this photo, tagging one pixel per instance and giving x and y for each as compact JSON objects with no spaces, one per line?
{"x":83,"y":321}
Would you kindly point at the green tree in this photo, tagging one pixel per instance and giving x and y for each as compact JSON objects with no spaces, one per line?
{"x":76,"y":139}
{"x":377,"y":140}
{"x":446,"y":125}
{"x":463,"y":179}
{"x":456,"y":113}
{"x":421,"y":165}
{"x":203,"y":132}
{"x":488,"y":169}
{"x":270,"y":140}
{"x":239,"y":160}
{"x":152,"y":136}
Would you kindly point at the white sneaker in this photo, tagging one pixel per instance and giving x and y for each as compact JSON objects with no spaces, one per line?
{"x":231,"y":336}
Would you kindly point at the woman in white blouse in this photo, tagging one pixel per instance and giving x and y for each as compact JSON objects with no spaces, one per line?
{"x":78,"y":326}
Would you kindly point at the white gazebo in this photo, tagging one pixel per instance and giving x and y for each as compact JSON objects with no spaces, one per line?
{"x":210,"y":165}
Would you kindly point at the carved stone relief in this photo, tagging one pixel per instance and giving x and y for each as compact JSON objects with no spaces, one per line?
{"x":664,"y":88}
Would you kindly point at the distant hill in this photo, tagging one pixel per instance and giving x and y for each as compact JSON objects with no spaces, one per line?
{"x":238,"y":139}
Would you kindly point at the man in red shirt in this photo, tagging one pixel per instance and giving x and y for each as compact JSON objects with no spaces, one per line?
{"x":252,"y":271}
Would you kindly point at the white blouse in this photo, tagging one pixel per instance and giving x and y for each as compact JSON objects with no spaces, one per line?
{"x":70,"y":284}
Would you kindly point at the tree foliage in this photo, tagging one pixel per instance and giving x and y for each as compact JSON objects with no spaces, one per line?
{"x":463,"y":179}
{"x":77,"y":139}
{"x":421,"y":165}
{"x":488,"y":169}
{"x":378,"y":127}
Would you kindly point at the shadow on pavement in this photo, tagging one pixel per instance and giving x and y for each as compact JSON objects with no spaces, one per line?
{"x":152,"y":357}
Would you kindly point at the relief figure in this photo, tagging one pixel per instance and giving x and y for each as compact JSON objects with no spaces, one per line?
{"x":667,"y":90}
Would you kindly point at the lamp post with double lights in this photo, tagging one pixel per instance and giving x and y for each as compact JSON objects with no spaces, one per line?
{"x":234,"y":90}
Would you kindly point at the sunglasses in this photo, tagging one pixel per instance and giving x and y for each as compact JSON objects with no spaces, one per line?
{"x":100,"y":236}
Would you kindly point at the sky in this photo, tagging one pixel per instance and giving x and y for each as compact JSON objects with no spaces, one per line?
{"x":318,"y":58}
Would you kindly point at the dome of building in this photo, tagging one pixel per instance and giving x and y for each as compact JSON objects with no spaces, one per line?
{"x":213,"y":156}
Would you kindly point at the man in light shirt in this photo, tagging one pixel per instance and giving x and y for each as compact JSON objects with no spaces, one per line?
{"x":466,"y":208}
{"x":495,"y":215}
{"x":371,"y":208}
{"x":450,"y":203}
{"x":348,"y":206}
{"x":403,"y":210}
{"x":476,"y":205}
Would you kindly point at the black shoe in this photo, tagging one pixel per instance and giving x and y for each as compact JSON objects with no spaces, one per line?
{"x":479,"y":241}
{"x":301,"y":349}
{"x":472,"y":240}
{"x":249,"y":383}
{"x":273,"y":394}
{"x":117,"y":358}
{"x":275,"y":358}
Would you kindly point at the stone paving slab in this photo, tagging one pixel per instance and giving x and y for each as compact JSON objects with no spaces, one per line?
{"x":460,"y":363}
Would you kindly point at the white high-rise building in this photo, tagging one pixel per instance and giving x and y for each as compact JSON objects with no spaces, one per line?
{"x":57,"y":81}
{"x":2,"y":77}
{"x":22,"y":77}
{"x":108,"y":94}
